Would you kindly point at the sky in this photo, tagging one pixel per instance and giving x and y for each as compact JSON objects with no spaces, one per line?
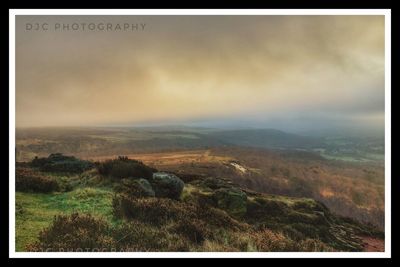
{"x":288,"y":72}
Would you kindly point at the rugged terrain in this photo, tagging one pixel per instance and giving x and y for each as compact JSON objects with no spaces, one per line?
{"x":343,"y":174}
{"x":350,"y":189}
{"x":123,"y":204}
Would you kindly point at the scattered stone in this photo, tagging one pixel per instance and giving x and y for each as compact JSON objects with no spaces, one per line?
{"x":167,"y":185}
{"x":233,"y":201}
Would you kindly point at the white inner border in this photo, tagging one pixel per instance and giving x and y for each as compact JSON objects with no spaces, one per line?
{"x":384,"y":12}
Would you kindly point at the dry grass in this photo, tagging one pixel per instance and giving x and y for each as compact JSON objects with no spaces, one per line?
{"x":340,"y":186}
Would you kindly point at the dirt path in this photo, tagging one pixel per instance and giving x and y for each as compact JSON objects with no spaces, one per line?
{"x":372,"y":244}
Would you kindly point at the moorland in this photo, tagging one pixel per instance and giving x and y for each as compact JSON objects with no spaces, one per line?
{"x":197,"y":189}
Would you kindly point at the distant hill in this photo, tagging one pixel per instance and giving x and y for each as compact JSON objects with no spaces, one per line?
{"x":98,"y":141}
{"x":266,"y":138}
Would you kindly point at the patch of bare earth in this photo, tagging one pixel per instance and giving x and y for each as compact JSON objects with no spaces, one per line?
{"x":178,"y":158}
{"x":372,"y":244}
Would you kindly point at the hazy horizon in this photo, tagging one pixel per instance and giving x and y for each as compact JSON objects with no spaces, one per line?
{"x":292,"y":73}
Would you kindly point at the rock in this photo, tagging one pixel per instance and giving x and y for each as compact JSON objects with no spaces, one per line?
{"x":167,"y":185}
{"x":233,"y":201}
{"x":136,"y":187}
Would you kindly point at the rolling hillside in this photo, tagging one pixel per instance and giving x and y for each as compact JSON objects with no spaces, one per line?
{"x":85,"y":142}
{"x":97,"y":209}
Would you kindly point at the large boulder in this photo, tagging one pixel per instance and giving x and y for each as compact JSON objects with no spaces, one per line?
{"x":136,"y":188}
{"x":167,"y":185}
{"x":232,"y":200}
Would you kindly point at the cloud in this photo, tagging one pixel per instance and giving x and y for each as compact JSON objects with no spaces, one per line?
{"x":193,"y":67}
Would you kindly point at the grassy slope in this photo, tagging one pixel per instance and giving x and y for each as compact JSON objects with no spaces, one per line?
{"x":36,"y":211}
{"x":349,"y":189}
{"x":90,"y":194}
{"x":349,"y":183}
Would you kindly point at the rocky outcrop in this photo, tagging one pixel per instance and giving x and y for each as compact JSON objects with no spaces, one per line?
{"x":167,"y":185}
{"x":233,"y":201}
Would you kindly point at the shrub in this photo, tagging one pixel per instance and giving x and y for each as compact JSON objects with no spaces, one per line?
{"x":138,"y":236}
{"x":313,"y":206}
{"x":75,"y":232}
{"x":266,"y":240}
{"x":160,"y":211}
{"x":234,"y":201}
{"x":85,"y":233}
{"x":65,"y":184}
{"x":315,"y":219}
{"x":262,"y":240}
{"x":214,"y":183}
{"x":217,"y":246}
{"x":86,"y":193}
{"x":135,"y":188}
{"x":28,"y":181}
{"x":262,"y":208}
{"x":292,"y":232}
{"x":122,"y":167}
{"x":195,"y":230}
{"x":197,"y":196}
{"x":313,"y":245}
{"x":59,"y":163}
{"x":151,"y":210}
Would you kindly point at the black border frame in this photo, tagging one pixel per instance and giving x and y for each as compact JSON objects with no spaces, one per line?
{"x":284,"y":4}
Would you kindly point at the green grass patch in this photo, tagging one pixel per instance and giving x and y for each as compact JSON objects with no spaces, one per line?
{"x":38,"y":210}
